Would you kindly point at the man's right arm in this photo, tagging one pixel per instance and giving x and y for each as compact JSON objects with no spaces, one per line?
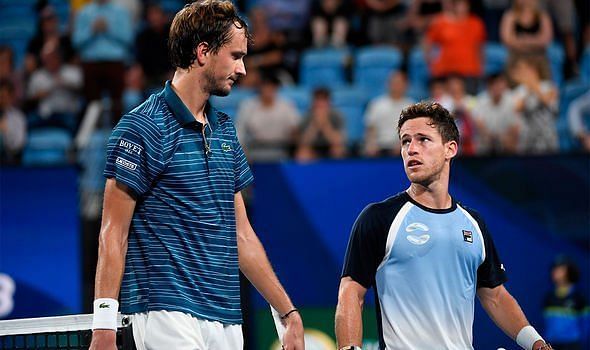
{"x":116,"y":219}
{"x":349,"y":322}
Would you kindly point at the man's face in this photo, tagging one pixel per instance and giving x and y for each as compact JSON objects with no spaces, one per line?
{"x":423,"y":151}
{"x":227,"y":65}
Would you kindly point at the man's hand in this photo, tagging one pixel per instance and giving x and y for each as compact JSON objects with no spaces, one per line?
{"x":293,"y":338}
{"x":541,"y":345}
{"x":103,"y":339}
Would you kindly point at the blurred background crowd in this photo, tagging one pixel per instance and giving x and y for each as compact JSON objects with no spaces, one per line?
{"x":326,"y":78}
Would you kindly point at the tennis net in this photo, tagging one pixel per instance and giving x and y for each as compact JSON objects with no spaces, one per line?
{"x":62,"y":332}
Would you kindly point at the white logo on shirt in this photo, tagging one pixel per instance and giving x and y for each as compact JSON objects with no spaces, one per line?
{"x":125,"y":163}
{"x":418,"y":240}
{"x":130,"y":147}
{"x":417,"y":226}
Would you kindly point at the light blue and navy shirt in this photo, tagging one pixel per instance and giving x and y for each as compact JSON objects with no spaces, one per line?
{"x":182,"y":253}
{"x":425,"y":265}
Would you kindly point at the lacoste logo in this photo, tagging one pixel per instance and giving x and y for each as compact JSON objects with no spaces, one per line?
{"x":418,"y":240}
{"x":225,"y":147}
{"x":125,"y":163}
{"x":104,"y":306}
{"x":467,"y":236}
{"x":417,"y":226}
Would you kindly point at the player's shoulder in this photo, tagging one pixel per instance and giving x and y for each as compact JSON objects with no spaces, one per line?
{"x":386,"y":208}
{"x":224,"y":121}
{"x":471,"y":211}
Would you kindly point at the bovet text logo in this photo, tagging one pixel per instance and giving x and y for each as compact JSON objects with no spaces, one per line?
{"x":125,"y":163}
{"x":130,"y":147}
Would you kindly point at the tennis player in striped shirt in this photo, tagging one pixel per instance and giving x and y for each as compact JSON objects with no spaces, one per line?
{"x":175,"y":231}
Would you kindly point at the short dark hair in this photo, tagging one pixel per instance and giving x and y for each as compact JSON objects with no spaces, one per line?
{"x":439,"y":116}
{"x":321,"y":92}
{"x":207,"y":21}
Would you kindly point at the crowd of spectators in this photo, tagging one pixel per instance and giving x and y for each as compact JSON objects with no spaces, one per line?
{"x":116,"y":49}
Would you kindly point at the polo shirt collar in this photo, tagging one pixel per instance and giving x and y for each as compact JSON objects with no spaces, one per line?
{"x":182,"y":113}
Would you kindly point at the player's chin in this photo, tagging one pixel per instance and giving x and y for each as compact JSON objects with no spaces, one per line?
{"x":223,"y":91}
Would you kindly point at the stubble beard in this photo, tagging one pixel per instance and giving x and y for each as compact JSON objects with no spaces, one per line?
{"x":213,"y":86}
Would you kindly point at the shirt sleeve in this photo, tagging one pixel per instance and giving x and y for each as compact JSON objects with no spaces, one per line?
{"x":242,"y":173}
{"x":366,"y":248}
{"x":491,"y":272}
{"x":134,"y":153}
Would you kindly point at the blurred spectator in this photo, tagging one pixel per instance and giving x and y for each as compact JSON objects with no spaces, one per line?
{"x":526,"y":29}
{"x":13,"y":126}
{"x":47,"y":31}
{"x":286,"y":15}
{"x":386,"y":23}
{"x":437,"y":87}
{"x":381,"y":137}
{"x":322,"y":132}
{"x":8,"y":72}
{"x":564,"y":17}
{"x":578,"y":115}
{"x":103,"y":35}
{"x":461,"y":107}
{"x":267,"y":124}
{"x":498,"y":123}
{"x":460,"y":37}
{"x":422,"y":12}
{"x":330,"y":23}
{"x":565,"y":308}
{"x":536,"y":100}
{"x":151,"y":46}
{"x":267,"y":50}
{"x":54,"y":90}
{"x":134,"y":93}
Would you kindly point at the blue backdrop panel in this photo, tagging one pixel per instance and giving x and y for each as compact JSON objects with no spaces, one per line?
{"x":304,"y":213}
{"x":40,"y":240}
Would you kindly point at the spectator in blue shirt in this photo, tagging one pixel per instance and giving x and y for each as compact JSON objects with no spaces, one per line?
{"x":103,"y":36}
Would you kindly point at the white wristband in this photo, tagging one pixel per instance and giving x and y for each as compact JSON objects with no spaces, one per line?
{"x":105,"y":314}
{"x":527,"y":337}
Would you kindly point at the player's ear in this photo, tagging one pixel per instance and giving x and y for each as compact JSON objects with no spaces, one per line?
{"x":202,"y":52}
{"x":451,"y":149}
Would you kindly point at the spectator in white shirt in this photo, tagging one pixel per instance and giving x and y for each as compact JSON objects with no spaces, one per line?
{"x":381,"y":118}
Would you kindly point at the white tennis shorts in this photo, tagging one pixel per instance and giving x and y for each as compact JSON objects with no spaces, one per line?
{"x":157,"y":330}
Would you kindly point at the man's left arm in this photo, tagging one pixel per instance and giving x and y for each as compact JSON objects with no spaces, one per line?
{"x":256,"y":267}
{"x":508,"y":316}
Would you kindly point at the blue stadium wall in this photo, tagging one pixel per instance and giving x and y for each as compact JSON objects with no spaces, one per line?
{"x":40,"y":247}
{"x":535,"y":208}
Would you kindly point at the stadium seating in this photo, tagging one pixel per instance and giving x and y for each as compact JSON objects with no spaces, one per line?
{"x":373,"y":65}
{"x":299,"y":95}
{"x":351,"y":102}
{"x":556,"y":56}
{"x":229,"y":104}
{"x":418,"y":71}
{"x":323,"y":67}
{"x":495,"y":58}
{"x":47,"y":146}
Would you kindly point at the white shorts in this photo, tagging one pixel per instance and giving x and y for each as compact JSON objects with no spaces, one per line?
{"x":161,"y":330}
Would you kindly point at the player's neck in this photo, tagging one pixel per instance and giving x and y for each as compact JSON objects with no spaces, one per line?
{"x":435,"y":195}
{"x":186,"y":86}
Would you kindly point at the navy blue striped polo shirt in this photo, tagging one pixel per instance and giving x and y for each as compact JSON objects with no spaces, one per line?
{"x":182,"y":253}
